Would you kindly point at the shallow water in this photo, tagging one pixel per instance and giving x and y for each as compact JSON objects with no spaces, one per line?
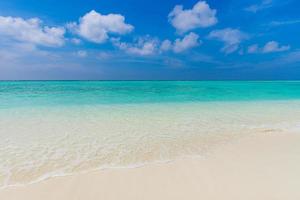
{"x":54,"y":93}
{"x":57,"y":128}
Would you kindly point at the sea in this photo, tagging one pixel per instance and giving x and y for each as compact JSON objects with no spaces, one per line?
{"x":58,"y":128}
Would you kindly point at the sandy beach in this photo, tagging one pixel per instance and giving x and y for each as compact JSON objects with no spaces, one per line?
{"x":264,"y":166}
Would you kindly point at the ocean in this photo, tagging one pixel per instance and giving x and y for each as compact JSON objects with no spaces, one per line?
{"x":56,"y":128}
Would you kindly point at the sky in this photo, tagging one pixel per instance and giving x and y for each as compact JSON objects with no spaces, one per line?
{"x":149,"y":40}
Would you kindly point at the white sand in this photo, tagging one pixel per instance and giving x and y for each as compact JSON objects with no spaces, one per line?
{"x":260,"y":167}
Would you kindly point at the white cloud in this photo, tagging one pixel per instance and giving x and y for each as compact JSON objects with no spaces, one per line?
{"x":257,"y":7}
{"x":231,"y":38}
{"x":166,"y":45}
{"x":201,"y":15}
{"x":273,"y":46}
{"x":269,"y":47}
{"x":189,"y":41}
{"x":31,"y":31}
{"x":144,"y":46}
{"x":96,"y":27}
{"x":179,"y":45}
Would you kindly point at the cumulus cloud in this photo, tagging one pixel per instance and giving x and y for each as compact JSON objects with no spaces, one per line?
{"x":143,"y":46}
{"x":181,"y":44}
{"x":200,"y":16}
{"x":31,"y":31}
{"x":273,"y":46}
{"x":96,"y":27}
{"x":166,"y":45}
{"x":231,"y":38}
{"x":257,"y":7}
{"x":189,"y":41}
{"x":269,"y":47}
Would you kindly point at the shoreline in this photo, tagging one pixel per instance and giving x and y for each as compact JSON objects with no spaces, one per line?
{"x":259,"y":166}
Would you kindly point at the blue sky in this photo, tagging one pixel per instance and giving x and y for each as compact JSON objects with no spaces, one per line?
{"x":132,"y":39}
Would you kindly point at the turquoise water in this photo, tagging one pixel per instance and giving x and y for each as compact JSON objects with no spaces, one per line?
{"x":55,"y":128}
{"x":53,"y":93}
